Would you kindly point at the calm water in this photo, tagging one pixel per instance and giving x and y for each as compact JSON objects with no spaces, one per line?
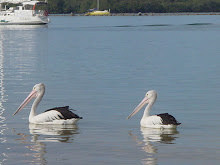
{"x":102,"y":67}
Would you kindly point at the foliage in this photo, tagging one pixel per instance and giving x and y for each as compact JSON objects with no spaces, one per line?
{"x":135,"y":6}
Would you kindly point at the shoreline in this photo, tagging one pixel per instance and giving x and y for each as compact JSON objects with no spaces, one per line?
{"x":143,"y":14}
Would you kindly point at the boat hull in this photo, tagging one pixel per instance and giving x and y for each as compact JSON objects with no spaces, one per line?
{"x":98,"y":13}
{"x":13,"y":20}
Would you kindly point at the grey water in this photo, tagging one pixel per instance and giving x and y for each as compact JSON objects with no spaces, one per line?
{"x":102,"y":67}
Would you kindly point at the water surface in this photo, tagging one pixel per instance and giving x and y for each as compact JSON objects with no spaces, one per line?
{"x":102,"y":67}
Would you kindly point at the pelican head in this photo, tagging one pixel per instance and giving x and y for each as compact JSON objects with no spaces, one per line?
{"x":149,"y":98}
{"x":39,"y":88}
{"x":37,"y":92}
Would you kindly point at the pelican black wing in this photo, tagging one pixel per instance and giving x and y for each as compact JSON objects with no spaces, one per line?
{"x":168,"y":119}
{"x":66,"y":112}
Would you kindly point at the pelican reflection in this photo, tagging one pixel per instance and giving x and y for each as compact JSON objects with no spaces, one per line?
{"x":36,"y":150}
{"x":159,"y":135}
{"x":151,"y":142}
{"x":54,"y":133}
{"x":40,"y":135}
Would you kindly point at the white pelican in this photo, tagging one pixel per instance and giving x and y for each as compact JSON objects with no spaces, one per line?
{"x":57,"y":115}
{"x":163,"y":120}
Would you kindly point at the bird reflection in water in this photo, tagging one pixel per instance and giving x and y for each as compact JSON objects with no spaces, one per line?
{"x":40,"y":135}
{"x":152,"y":139}
{"x":54,"y":133}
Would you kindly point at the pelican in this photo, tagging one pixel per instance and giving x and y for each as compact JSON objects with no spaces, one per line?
{"x":163,"y":120}
{"x":57,"y":115}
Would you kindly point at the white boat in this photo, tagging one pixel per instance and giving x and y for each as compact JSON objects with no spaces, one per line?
{"x":26,"y":12}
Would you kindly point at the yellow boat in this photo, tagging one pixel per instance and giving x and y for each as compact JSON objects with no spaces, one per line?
{"x":97,"y":12}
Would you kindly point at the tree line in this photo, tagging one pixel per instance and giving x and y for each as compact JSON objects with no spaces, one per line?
{"x":134,"y":6}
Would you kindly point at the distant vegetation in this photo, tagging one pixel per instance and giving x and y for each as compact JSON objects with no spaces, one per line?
{"x":135,"y":6}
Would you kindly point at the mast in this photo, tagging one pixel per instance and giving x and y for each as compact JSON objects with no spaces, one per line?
{"x":97,"y":4}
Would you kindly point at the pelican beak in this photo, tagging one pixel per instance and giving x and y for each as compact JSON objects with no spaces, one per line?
{"x":26,"y":101}
{"x":138,"y":108}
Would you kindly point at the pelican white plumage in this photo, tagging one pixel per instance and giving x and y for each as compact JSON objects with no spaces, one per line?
{"x":163,"y":120}
{"x":57,"y":115}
